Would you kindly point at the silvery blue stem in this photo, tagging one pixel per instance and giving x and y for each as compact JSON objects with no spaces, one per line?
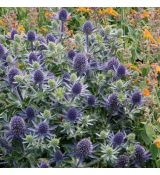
{"x":86,"y":43}
{"x":32,"y":46}
{"x":62,"y":26}
{"x":19,"y":93}
{"x":40,"y":86}
{"x":62,"y":30}
{"x":132,"y":107}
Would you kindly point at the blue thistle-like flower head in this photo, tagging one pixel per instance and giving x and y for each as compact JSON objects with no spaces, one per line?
{"x":31,"y":35}
{"x":43,"y":165}
{"x":72,"y":114}
{"x":43,"y":129}
{"x":38,"y":76}
{"x":84,"y":148}
{"x":141,"y":155}
{"x":71,"y":54}
{"x":30,"y":113}
{"x":121,"y":71}
{"x":17,"y":126}
{"x":91,"y":100}
{"x":13,"y":32}
{"x":113,"y":101}
{"x":77,"y":88}
{"x":58,"y":156}
{"x":80,"y":63}
{"x":32,"y":57}
{"x":136,"y":98}
{"x":50,"y":38}
{"x":2,"y":51}
{"x":122,"y":161}
{"x":112,"y":64}
{"x":66,"y":77}
{"x":63,"y":14}
{"x":87,"y":28}
{"x":118,"y":139}
{"x":12,"y":73}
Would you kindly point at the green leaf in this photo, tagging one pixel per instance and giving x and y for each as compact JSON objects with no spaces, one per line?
{"x":145,"y":138}
{"x":150,"y":131}
{"x":145,"y":71}
{"x":154,"y":151}
{"x":158,"y":163}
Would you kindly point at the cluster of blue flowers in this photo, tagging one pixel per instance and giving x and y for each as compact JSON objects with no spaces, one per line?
{"x":65,"y":107}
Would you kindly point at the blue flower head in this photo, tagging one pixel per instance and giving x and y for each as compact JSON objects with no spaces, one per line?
{"x":72,"y":114}
{"x":2,"y":51}
{"x":84,"y":148}
{"x":77,"y":88}
{"x":87,"y":27}
{"x":13,"y":32}
{"x":113,"y":102}
{"x":30,"y":113}
{"x":136,"y":98}
{"x":43,"y":165}
{"x":50,"y":38}
{"x":32,"y":57}
{"x":80,"y":63}
{"x":66,"y":76}
{"x":122,"y":161}
{"x":71,"y":54}
{"x":31,"y":35}
{"x":17,"y":127}
{"x":121,"y":71}
{"x":43,"y":129}
{"x":63,"y":14}
{"x":141,"y":155}
{"x":38,"y":77}
{"x":118,"y":139}
{"x":91,"y":100}
{"x":58,"y":156}
{"x":112,"y":64}
{"x":11,"y":74}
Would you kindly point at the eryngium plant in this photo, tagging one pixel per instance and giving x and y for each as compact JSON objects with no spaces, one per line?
{"x":67,"y":107}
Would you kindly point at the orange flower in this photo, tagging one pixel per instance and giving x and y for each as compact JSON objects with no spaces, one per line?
{"x":69,"y":32}
{"x":84,"y":10}
{"x":43,"y":29}
{"x":145,"y":14}
{"x":158,"y":69}
{"x":148,"y":81}
{"x":146,"y":92}
{"x":111,"y":11}
{"x":21,"y":29}
{"x":158,"y":40}
{"x":154,"y":45}
{"x":101,"y":12}
{"x":48,"y":14}
{"x":2,"y":22}
{"x":133,"y":67}
{"x":157,"y":142}
{"x":133,"y":12}
{"x":147,"y":35}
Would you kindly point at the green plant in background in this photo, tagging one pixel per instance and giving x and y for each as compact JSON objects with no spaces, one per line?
{"x":78,"y":88}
